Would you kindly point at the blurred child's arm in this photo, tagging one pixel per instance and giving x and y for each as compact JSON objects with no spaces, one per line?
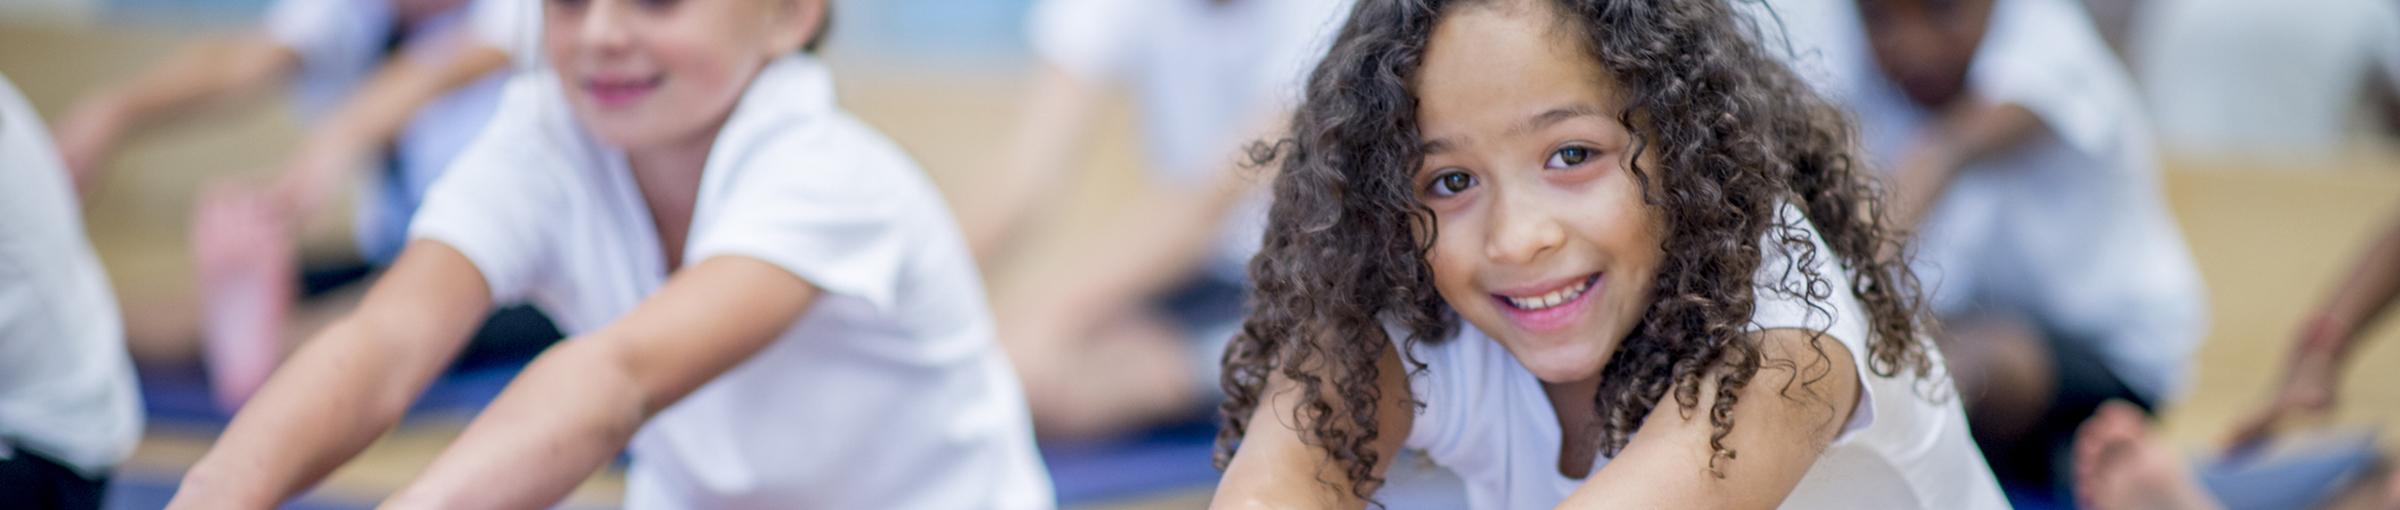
{"x":1159,"y":244}
{"x":1972,"y":131}
{"x":1786,"y":416}
{"x":1276,"y":466}
{"x":210,"y":71}
{"x":575,"y":407}
{"x":2313,"y":372}
{"x":1049,"y":134}
{"x":369,"y":119}
{"x":345,"y":387}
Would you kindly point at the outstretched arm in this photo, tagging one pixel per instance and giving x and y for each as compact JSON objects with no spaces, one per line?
{"x":371,"y":118}
{"x":1974,"y":130}
{"x":576,"y":406}
{"x":347,"y":386}
{"x":1049,"y":133}
{"x":2328,"y":335}
{"x":213,"y":71}
{"x":1785,"y":417}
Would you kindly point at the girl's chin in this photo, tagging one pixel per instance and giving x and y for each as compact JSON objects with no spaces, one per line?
{"x":1563,"y":364}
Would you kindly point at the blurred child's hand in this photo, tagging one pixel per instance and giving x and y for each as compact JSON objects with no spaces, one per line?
{"x":1924,"y":173}
{"x":314,"y":173}
{"x":2308,"y":387}
{"x":85,"y":137}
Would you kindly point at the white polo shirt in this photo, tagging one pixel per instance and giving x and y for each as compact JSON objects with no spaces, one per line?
{"x":66,"y":385}
{"x":889,"y":393}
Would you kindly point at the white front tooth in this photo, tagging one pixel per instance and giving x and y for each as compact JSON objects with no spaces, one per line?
{"x":1549,"y":300}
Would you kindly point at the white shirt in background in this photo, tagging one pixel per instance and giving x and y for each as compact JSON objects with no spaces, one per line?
{"x":2284,"y":82}
{"x":889,"y":393}
{"x":1905,"y":444}
{"x":342,"y":43}
{"x":67,"y":388}
{"x":513,"y":26}
{"x":1200,"y":74}
{"x":2073,"y":227}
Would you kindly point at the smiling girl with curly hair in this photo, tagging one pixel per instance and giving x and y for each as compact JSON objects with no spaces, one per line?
{"x":1678,"y":284}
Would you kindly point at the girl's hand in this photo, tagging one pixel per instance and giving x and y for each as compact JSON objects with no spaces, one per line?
{"x":86,"y":136}
{"x":314,"y":173}
{"x":2308,"y":389}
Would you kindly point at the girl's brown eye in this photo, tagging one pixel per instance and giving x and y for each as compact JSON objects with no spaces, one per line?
{"x":1568,"y":156}
{"x":1450,"y":183}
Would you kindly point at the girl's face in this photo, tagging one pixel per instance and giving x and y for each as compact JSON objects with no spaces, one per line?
{"x":1544,"y":241}
{"x":1926,"y":47}
{"x":640,"y":73}
{"x":413,"y":11}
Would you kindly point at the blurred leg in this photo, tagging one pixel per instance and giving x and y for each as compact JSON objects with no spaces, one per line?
{"x":2004,"y":373}
{"x":246,"y":259}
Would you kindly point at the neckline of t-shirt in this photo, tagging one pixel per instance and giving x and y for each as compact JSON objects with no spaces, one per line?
{"x":629,"y":197}
{"x":1552,"y":438}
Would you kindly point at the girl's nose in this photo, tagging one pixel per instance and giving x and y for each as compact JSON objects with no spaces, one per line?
{"x":1521,"y":232}
{"x":602,"y":28}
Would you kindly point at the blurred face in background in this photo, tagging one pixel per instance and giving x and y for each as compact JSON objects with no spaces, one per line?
{"x":1926,"y":46}
{"x":643,"y":73}
{"x":412,"y":11}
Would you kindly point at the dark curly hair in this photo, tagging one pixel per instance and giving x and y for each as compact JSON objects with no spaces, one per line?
{"x":1344,"y":255}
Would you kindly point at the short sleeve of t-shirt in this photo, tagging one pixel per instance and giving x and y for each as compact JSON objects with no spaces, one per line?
{"x":493,"y":202}
{"x":819,"y":207}
{"x":1435,"y":389}
{"x":1089,"y":39}
{"x":1779,"y":302}
{"x":336,"y":34}
{"x":2043,"y":55}
{"x":513,"y":26}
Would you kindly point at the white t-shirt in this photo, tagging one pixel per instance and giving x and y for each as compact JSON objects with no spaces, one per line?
{"x":66,"y":385}
{"x":2283,"y":81}
{"x":889,"y":393}
{"x":2073,"y":227}
{"x":342,"y":43}
{"x":512,"y":26}
{"x":1905,"y":445}
{"x":1200,"y":73}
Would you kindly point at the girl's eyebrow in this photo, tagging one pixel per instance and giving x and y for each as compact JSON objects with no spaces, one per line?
{"x":1545,"y":119}
{"x":1557,"y":115}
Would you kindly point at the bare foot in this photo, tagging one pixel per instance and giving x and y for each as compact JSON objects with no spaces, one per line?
{"x":2120,"y":466}
{"x":2391,"y":491}
{"x":246,"y":267}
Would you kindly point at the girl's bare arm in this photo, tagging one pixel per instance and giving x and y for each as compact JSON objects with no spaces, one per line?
{"x":1277,"y":468}
{"x":1779,"y":430}
{"x":345,"y":387}
{"x":578,"y":404}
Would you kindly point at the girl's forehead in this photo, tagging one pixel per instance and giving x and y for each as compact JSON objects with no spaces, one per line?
{"x":1486,"y":72}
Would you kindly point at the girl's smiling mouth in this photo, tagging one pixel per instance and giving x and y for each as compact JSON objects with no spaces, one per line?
{"x":1550,"y":306}
{"x":616,"y":92}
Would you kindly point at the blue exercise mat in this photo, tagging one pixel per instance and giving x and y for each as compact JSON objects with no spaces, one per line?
{"x":1153,"y":463}
{"x":2305,"y":474}
{"x":179,"y":396}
